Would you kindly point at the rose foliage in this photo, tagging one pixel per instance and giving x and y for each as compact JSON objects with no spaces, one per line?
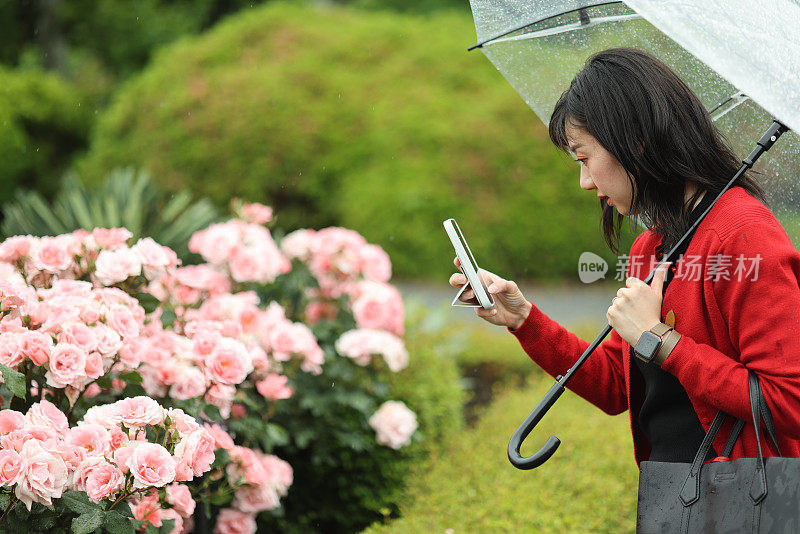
{"x":142,"y":394}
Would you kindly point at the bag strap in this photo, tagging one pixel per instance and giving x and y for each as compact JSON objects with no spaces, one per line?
{"x":758,"y":488}
{"x":690,"y":492}
{"x":766,"y":417}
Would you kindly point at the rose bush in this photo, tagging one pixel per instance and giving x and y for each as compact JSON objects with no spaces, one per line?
{"x":139,"y":387}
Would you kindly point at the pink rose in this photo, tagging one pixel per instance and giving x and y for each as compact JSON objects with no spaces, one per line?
{"x":108,"y":340}
{"x":375,"y":263}
{"x":146,"y":508}
{"x":232,"y":521}
{"x":221,"y":396}
{"x":394,"y":424}
{"x":113,"y":266}
{"x":78,"y":334}
{"x":105,"y":415}
{"x":94,"y":365}
{"x":44,"y":475}
{"x":155,"y":258}
{"x":139,"y":411}
{"x":279,"y":471}
{"x":246,"y":266}
{"x":298,"y":244}
{"x":67,"y":366}
{"x":10,"y":420}
{"x":15,"y":248}
{"x":45,"y":413}
{"x":93,"y":439}
{"x":104,"y":481}
{"x":274,"y":387}
{"x":255,"y":499}
{"x":181,"y":421}
{"x":222,"y":440}
{"x":217,"y":243}
{"x":36,"y":346}
{"x":197,"y":451}
{"x":379,"y":306}
{"x":151,"y":465}
{"x":256,"y":213}
{"x":11,"y":353}
{"x":121,"y":319}
{"x":189,"y":383}
{"x":180,"y":498}
{"x":52,"y":254}
{"x":110,"y":237}
{"x":229,"y":362}
{"x":10,"y":467}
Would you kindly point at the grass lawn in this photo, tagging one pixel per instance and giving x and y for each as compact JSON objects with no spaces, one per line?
{"x":589,"y":485}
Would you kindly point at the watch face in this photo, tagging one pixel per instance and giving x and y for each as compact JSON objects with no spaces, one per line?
{"x":647,"y":346}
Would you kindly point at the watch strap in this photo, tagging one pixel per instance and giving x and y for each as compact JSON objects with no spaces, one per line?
{"x":667,"y":344}
{"x":660,"y":329}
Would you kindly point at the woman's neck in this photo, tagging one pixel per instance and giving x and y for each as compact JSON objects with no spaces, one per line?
{"x":689,"y":190}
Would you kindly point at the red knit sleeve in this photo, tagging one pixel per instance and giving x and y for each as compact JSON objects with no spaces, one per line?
{"x":601,"y":378}
{"x":762,"y":312}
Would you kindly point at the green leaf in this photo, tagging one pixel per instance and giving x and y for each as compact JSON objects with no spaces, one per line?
{"x":212,"y":412}
{"x":124,"y":509}
{"x":87,"y":523}
{"x":79,"y":502}
{"x":117,"y":523}
{"x":132,"y":378}
{"x":43,"y":522}
{"x":15,"y":381}
{"x":166,"y":526}
{"x":221,"y":458}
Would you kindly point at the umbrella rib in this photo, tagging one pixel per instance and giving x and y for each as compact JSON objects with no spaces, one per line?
{"x":537,"y":21}
{"x":566,"y":28}
{"x":738,"y":98}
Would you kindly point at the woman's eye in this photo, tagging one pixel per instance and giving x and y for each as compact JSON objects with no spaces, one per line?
{"x":581,"y":161}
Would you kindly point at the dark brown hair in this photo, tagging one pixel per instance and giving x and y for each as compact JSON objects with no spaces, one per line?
{"x":656,"y":127}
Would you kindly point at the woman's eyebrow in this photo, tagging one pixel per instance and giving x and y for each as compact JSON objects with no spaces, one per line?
{"x":573,"y":148}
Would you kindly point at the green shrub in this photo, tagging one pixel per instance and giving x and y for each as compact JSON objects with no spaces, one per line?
{"x":372,"y":120}
{"x":43,"y":122}
{"x":342,"y":481}
{"x":588,"y":486}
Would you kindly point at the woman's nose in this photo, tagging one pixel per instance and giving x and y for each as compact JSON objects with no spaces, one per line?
{"x":586,"y":180}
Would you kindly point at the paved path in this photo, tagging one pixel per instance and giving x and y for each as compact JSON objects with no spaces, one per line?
{"x":569,"y":304}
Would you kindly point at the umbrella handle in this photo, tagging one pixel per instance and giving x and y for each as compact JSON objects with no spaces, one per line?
{"x":544,"y":454}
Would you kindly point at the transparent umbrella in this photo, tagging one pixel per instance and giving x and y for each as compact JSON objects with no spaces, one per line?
{"x":742,"y":58}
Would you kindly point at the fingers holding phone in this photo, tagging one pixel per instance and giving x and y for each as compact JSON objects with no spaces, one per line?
{"x":510,"y":308}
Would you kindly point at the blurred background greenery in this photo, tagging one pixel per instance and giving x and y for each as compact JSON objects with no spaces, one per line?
{"x":369,"y":114}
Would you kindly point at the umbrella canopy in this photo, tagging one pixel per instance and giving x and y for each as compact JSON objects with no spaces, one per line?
{"x":742,"y":58}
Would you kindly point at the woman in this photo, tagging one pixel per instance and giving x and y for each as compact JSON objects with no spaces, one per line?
{"x":648,"y":148}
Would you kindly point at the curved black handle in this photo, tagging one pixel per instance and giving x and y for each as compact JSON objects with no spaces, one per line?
{"x":544,"y":454}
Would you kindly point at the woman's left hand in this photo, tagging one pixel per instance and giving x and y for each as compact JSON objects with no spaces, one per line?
{"x":637,"y":307}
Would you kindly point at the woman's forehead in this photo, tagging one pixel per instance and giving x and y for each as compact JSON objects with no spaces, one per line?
{"x":577,"y":137}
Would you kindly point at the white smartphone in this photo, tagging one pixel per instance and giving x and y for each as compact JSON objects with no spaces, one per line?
{"x":469,"y":267}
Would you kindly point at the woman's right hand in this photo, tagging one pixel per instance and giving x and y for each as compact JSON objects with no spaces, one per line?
{"x":510,"y":308}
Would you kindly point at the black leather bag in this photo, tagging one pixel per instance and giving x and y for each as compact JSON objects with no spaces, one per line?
{"x":746,"y":495}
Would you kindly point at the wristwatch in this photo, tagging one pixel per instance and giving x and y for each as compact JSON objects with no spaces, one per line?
{"x":650,"y":342}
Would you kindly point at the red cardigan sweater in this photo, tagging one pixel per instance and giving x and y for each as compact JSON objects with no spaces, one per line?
{"x":727,"y":327}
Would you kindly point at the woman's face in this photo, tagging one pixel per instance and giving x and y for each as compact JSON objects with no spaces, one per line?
{"x":600,"y":170}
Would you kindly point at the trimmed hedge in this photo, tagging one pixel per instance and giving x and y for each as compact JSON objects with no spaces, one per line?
{"x":588,"y":486}
{"x":44,"y":120}
{"x":377,"y":121}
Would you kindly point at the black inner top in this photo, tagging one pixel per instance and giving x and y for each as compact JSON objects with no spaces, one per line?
{"x":667,"y":418}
